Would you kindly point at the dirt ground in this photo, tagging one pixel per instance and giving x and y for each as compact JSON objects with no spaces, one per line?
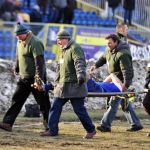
{"x":26,"y":136}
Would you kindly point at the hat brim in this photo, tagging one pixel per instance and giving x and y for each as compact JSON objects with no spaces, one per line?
{"x":63,"y":37}
{"x":22,"y":32}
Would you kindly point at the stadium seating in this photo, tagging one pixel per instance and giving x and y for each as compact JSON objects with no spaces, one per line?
{"x":91,"y":19}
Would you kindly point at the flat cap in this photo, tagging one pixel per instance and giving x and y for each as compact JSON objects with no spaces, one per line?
{"x":21,"y":29}
{"x":63,"y":34}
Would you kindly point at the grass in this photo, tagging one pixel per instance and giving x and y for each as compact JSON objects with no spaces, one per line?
{"x":25,"y":135}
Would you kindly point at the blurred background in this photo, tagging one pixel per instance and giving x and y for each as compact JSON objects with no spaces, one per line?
{"x":88,"y":21}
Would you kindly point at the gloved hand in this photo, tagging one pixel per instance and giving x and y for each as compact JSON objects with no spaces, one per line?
{"x":16,"y":70}
{"x":38,"y":83}
{"x":48,"y":86}
{"x":147,"y":85}
{"x":80,"y":81}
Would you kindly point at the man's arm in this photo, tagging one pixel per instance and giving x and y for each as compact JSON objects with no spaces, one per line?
{"x":80,"y":64}
{"x":40,"y":67}
{"x":126,"y":69}
{"x":100,"y":62}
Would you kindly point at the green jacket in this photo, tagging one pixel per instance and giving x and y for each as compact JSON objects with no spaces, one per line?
{"x":72,"y":66}
{"x":119,"y":61}
{"x":28,"y":60}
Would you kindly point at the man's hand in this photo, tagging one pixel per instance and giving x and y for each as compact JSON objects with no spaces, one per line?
{"x":15,"y":71}
{"x":147,"y":86}
{"x":38,"y":83}
{"x":124,"y":88}
{"x":92,"y":69}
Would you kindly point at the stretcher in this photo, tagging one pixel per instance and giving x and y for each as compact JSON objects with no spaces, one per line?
{"x":98,"y":94}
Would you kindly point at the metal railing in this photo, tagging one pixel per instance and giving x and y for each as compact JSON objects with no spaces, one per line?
{"x":140,"y":16}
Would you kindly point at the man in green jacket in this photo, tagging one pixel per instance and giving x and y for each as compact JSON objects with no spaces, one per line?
{"x":119,"y":61}
{"x":70,"y":85}
{"x":29,"y":62}
{"x":122,"y":32}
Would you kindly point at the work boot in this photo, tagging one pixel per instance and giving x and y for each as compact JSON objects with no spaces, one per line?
{"x":47,"y":133}
{"x":135,"y":128}
{"x":103,"y":129}
{"x":90,"y":135}
{"x":6,"y":126}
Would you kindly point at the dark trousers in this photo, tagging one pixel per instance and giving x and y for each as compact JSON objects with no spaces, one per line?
{"x":21,"y":94}
{"x":79,"y":109}
{"x":128,"y":16}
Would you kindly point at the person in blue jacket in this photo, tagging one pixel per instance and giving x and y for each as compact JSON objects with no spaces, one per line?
{"x":110,"y":84}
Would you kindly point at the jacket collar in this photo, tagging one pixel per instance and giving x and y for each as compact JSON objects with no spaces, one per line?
{"x":29,"y":36}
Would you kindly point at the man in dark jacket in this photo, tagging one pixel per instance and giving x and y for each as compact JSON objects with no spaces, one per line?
{"x":119,"y":62}
{"x":70,"y":85}
{"x":129,"y":6}
{"x":113,"y":4}
{"x":30,"y":62}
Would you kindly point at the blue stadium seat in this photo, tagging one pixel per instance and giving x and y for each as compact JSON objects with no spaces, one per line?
{"x":49,"y":54}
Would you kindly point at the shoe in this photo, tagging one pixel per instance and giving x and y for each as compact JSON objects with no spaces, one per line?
{"x":103,"y":129}
{"x":6,"y":126}
{"x":90,"y":135}
{"x":47,"y":133}
{"x":148,"y":134}
{"x":135,"y":128}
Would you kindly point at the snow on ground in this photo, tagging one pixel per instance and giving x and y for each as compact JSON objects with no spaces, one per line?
{"x":8,"y":84}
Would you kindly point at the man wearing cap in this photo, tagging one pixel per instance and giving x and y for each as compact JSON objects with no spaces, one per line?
{"x":29,"y":62}
{"x":70,"y":85}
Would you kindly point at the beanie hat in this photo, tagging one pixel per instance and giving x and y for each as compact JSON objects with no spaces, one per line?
{"x":21,"y":29}
{"x":63,"y":34}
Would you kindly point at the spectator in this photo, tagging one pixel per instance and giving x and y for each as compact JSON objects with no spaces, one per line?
{"x":69,"y":11}
{"x":27,"y":3}
{"x":43,"y":6}
{"x":22,"y":15}
{"x":7,"y":10}
{"x":129,"y":6}
{"x":61,"y":7}
{"x":122,"y":32}
{"x":112,"y":4}
{"x":35,"y":15}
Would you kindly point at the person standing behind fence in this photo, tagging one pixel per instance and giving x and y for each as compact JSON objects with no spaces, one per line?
{"x":122,"y":32}
{"x":30,"y":62}
{"x":69,"y":11}
{"x":60,"y":6}
{"x":129,"y":6}
{"x":70,"y":85}
{"x":112,"y":4}
{"x":119,"y":62}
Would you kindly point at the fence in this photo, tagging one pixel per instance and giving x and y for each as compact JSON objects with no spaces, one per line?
{"x":141,"y":14}
{"x":91,"y":39}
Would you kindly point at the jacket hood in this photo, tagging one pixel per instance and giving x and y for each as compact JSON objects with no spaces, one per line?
{"x":122,"y":45}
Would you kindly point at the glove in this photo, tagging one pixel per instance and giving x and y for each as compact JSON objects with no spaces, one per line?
{"x":38,"y":83}
{"x":16,"y":70}
{"x":48,"y":86}
{"x":80,"y":81}
{"x":147,"y":85}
